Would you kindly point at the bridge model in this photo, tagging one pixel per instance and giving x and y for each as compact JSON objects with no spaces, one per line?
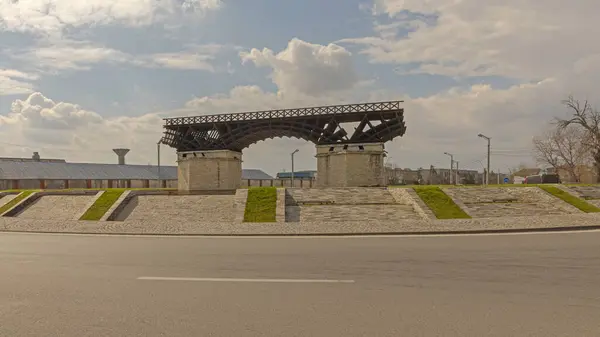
{"x":210,"y":147}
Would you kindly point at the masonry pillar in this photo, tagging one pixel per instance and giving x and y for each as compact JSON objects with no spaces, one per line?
{"x":209,"y":170}
{"x":350,"y":165}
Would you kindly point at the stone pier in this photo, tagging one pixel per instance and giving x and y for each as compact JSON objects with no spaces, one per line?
{"x":209,"y":170}
{"x":350,"y":165}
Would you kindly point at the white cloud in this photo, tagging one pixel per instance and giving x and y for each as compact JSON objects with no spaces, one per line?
{"x":14,"y":82}
{"x":307,"y":68}
{"x":526,"y":39}
{"x":52,"y":16}
{"x":83,"y":55}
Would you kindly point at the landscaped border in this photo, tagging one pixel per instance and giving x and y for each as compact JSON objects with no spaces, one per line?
{"x":569,"y":198}
{"x":15,"y":201}
{"x":261,"y":205}
{"x":440,"y":203}
{"x":102,"y":204}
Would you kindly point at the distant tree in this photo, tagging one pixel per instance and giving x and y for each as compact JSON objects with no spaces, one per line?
{"x":563,"y":148}
{"x":588,"y":119}
{"x":469,"y":179}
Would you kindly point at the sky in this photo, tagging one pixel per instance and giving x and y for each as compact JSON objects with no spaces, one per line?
{"x":79,"y":78}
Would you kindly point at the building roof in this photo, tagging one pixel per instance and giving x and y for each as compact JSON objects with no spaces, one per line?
{"x":82,"y":171}
{"x":297,"y":174}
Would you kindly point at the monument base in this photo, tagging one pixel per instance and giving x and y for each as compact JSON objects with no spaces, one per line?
{"x":209,"y":170}
{"x":351,"y":165}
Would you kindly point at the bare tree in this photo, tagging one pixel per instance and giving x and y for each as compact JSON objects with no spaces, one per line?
{"x":563,"y":148}
{"x":588,"y":119}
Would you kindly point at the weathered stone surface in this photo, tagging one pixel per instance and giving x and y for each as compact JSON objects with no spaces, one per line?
{"x":57,"y":207}
{"x":209,"y":170}
{"x":408,"y":196}
{"x":181,"y":208}
{"x":346,"y":204}
{"x":350,"y":165}
{"x":481,"y":202}
{"x":280,"y":208}
{"x":585,"y":191}
{"x":6,"y":199}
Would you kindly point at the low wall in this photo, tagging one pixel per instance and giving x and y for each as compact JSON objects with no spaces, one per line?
{"x":299,"y":183}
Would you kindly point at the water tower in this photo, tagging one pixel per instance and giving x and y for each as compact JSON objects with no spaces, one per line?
{"x":121,"y":154}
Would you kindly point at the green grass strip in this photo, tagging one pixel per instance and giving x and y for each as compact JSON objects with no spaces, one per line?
{"x":261,"y":204}
{"x":440,"y":203}
{"x":570,"y":199}
{"x":15,"y":201}
{"x":102,"y":204}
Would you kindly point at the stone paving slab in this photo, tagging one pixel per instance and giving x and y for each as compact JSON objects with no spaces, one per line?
{"x":348,"y":204}
{"x":358,"y":195}
{"x":581,"y":191}
{"x":573,"y":221}
{"x":326,"y":213}
{"x":57,"y":207}
{"x":481,"y":202}
{"x":182,"y":208}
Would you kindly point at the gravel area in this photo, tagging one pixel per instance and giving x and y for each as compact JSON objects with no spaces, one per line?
{"x":57,"y":207}
{"x":365,"y":227}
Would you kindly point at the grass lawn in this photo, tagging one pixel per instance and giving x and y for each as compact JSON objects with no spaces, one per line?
{"x":261,"y":204}
{"x":440,"y":204}
{"x":570,"y":199}
{"x":102,"y":204}
{"x":15,"y":201}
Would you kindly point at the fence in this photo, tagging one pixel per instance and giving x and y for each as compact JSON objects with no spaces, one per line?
{"x":26,"y":184}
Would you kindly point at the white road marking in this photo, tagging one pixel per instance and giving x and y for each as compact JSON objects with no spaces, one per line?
{"x":254,"y":280}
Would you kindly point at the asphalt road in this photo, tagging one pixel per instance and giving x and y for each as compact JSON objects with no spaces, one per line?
{"x":503,"y":285}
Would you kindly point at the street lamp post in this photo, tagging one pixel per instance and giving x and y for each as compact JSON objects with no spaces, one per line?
{"x":451,"y":165}
{"x":293,"y":153}
{"x":487,"y":172}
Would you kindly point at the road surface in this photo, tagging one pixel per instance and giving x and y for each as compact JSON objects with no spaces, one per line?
{"x":502,"y":285}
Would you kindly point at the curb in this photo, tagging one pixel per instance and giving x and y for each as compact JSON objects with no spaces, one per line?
{"x":558,"y":229}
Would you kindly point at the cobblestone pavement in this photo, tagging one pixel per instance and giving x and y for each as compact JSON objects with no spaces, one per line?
{"x":190,"y":208}
{"x":346,"y":204}
{"x":57,"y":207}
{"x":508,"y":202}
{"x":6,"y":199}
{"x":171,"y":227}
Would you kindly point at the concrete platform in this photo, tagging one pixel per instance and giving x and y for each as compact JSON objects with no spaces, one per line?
{"x":183,"y":208}
{"x":487,"y":202}
{"x":57,"y":207}
{"x":346,"y":204}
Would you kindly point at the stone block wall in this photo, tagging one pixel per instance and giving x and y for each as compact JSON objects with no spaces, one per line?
{"x":209,"y":170}
{"x":350,"y":165}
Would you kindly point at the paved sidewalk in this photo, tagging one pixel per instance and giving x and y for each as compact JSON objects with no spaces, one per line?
{"x":574,"y":221}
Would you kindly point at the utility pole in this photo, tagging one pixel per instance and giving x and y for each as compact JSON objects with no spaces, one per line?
{"x":487,"y":174}
{"x":293,"y":153}
{"x":158,"y":162}
{"x":498,"y":177}
{"x":451,"y":166}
